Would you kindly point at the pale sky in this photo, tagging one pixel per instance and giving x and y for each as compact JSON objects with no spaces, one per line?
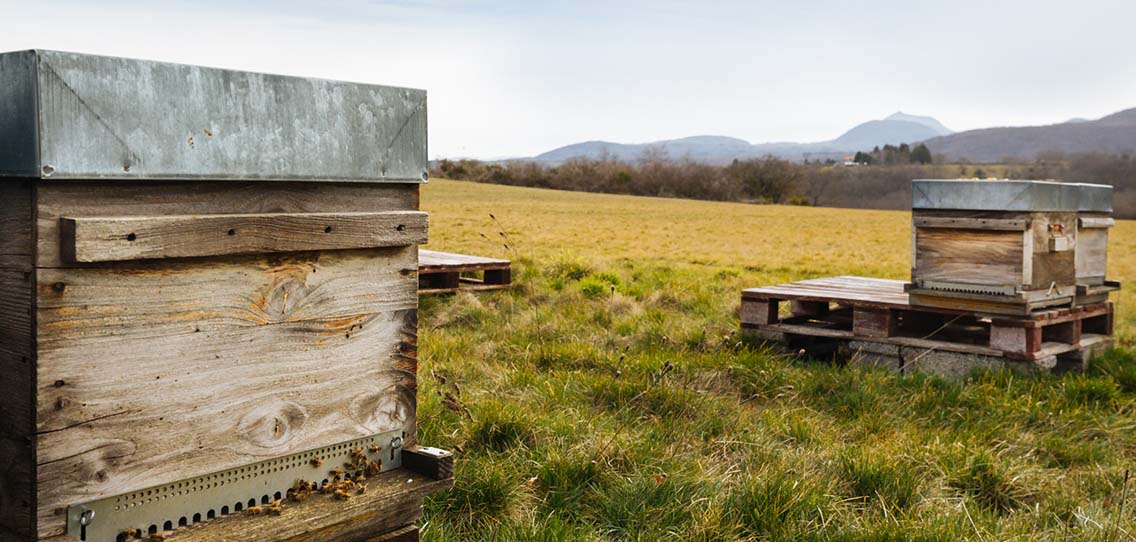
{"x":516,"y":78}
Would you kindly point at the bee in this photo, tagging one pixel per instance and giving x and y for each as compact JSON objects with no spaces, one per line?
{"x":336,"y":473}
{"x":341,"y":495}
{"x":376,"y":449}
{"x":129,"y":533}
{"x":299,"y":496}
{"x":374,"y":468}
{"x":329,"y":488}
{"x":276,"y":503}
{"x":254,"y":510}
{"x":157,"y":536}
{"x":347,"y":485}
{"x":360,"y":479}
{"x":361,"y":490}
{"x":276,"y":508}
{"x":316,"y":462}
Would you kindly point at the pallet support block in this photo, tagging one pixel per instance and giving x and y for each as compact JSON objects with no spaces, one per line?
{"x":878,"y":323}
{"x":1015,"y":340}
{"x":498,"y":276}
{"x":760,"y":312}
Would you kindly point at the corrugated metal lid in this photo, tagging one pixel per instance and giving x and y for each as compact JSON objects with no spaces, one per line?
{"x":74,"y":116}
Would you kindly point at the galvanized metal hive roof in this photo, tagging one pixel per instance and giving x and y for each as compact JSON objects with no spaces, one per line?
{"x":1006,"y":195}
{"x":74,"y":116}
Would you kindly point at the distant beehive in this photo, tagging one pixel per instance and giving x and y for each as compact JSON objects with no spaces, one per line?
{"x":1009,"y":247}
{"x":210,"y":304}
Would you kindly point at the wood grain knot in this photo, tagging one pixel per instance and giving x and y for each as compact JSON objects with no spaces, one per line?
{"x":272,"y":424}
{"x":384,"y":411}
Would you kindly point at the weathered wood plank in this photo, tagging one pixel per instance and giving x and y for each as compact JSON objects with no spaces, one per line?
{"x":216,"y":365}
{"x":405,"y":534}
{"x":431,"y":260}
{"x":1093,"y":222}
{"x":969,"y":256}
{"x":969,"y":223}
{"x":100,"y":198}
{"x":16,"y":220}
{"x":17,"y":363}
{"x":392,"y":500}
{"x":1053,"y":267}
{"x":1092,"y":256}
{"x":106,"y":239}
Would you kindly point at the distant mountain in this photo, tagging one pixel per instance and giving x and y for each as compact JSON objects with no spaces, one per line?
{"x":879,"y":132}
{"x":1115,"y":133}
{"x":929,"y":122}
{"x":895,"y":129}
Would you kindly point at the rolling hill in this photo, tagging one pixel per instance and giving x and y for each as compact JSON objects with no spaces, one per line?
{"x":1115,"y":133}
{"x":894,"y":129}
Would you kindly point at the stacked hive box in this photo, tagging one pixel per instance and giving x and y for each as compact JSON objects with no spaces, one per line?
{"x":1005,"y":274}
{"x":209,"y":288}
{"x":1009,"y":247}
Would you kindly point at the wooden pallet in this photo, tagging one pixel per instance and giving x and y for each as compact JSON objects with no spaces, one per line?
{"x":878,"y":311}
{"x":445,"y":272}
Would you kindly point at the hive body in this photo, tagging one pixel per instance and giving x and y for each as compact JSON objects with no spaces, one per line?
{"x":201,"y":269}
{"x":1009,"y":247}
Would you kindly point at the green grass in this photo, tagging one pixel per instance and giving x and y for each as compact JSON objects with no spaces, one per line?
{"x":609,"y":397}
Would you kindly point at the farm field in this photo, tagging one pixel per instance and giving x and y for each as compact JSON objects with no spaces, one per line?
{"x":608,"y":395}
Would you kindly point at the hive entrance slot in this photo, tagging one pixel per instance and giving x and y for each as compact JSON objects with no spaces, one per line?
{"x":187,"y":502}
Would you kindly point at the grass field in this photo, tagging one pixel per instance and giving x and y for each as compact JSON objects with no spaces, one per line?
{"x":608,"y":396}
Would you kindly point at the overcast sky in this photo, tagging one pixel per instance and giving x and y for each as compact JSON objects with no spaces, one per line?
{"x":517,"y":77}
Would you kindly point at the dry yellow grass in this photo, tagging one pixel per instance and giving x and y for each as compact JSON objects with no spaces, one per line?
{"x":770,"y":243}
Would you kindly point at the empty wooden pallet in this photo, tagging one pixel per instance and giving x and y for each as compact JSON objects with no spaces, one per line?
{"x":446,"y":272}
{"x":874,"y":317}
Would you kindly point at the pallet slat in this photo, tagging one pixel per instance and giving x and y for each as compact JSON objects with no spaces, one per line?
{"x":441,"y":272}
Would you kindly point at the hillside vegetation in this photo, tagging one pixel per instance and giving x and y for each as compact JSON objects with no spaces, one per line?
{"x":885,"y":184}
{"x":609,"y":397}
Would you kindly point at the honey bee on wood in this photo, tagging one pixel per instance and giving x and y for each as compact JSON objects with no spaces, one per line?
{"x":302,"y":485}
{"x":336,"y":473}
{"x":374,"y":468}
{"x":254,"y":510}
{"x":316,"y":462}
{"x":341,"y":495}
{"x":276,"y":508}
{"x":360,"y":479}
{"x":347,"y":485}
{"x":376,"y":449}
{"x":157,"y":536}
{"x":361,"y":490}
{"x":329,"y":488}
{"x":129,"y":533}
{"x":299,"y":496}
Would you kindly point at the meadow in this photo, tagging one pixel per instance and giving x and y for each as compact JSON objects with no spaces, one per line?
{"x":609,"y":396}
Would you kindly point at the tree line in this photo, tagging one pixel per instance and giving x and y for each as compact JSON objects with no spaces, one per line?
{"x":878,"y":184}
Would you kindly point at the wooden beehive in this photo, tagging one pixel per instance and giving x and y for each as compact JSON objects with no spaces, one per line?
{"x":204,"y":270}
{"x":1009,"y":247}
